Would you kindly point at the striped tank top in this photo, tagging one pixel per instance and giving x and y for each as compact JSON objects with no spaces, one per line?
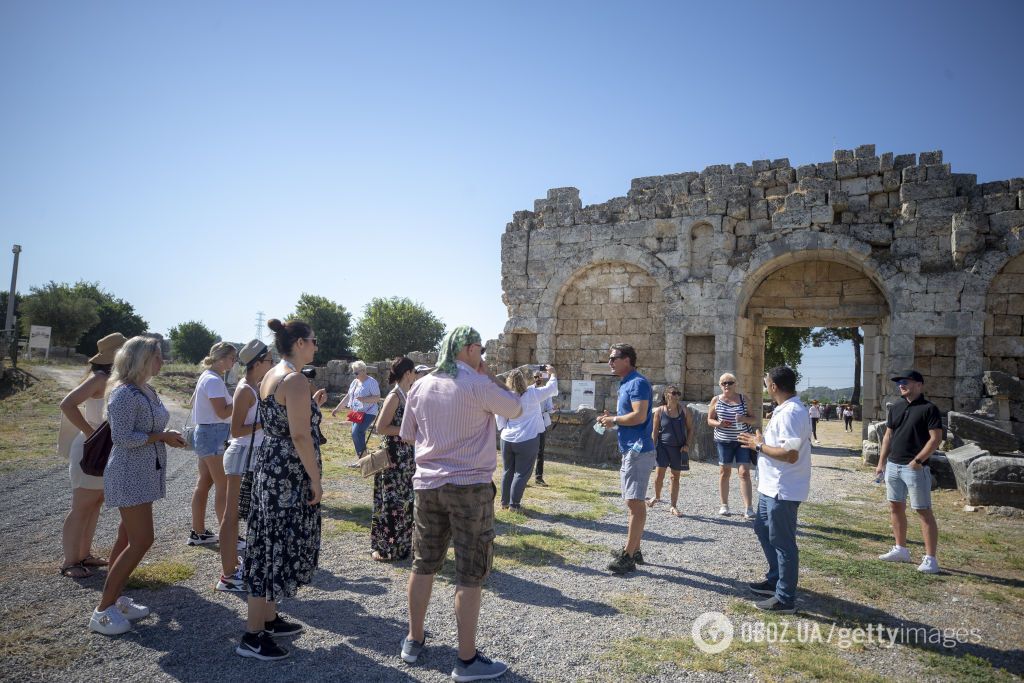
{"x":730,"y":412}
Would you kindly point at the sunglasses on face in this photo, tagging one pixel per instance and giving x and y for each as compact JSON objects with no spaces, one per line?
{"x":675,"y":393}
{"x":313,"y":340}
{"x":902,"y":382}
{"x":728,"y":384}
{"x":612,"y":358}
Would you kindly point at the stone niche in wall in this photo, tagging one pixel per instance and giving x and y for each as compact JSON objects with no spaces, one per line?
{"x":699,"y":374}
{"x":1004,"y":320}
{"x":935,"y":358}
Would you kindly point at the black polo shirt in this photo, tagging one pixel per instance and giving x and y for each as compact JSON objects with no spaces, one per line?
{"x":909,"y":424}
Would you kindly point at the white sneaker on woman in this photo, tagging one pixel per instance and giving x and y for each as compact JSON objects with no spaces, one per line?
{"x":109,"y":622}
{"x":131,"y":609}
{"x":724,"y":510}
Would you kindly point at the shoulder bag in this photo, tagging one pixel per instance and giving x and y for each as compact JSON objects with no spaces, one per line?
{"x":96,"y":451}
{"x":245,"y":489}
{"x":188,"y":431}
{"x":375,"y":461}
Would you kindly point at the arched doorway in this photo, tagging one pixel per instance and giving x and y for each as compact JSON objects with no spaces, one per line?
{"x":812,"y":290}
{"x":1004,"y":319}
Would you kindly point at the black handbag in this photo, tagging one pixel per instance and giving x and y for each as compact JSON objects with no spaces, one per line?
{"x":245,"y":490}
{"x":96,"y":451}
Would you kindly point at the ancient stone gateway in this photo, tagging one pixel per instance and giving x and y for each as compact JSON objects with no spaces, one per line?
{"x":691,"y":268}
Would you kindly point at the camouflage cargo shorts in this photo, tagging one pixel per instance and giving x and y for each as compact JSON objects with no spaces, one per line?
{"x":462,"y":513}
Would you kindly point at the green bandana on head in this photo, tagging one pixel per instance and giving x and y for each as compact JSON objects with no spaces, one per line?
{"x":453,"y":343}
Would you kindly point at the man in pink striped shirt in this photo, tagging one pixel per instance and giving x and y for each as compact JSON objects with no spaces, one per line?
{"x":449,"y":415}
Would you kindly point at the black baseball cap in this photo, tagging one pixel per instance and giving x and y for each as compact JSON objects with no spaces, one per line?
{"x":908,"y":374}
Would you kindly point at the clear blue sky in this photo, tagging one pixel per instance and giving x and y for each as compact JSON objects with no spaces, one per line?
{"x":208,"y":160}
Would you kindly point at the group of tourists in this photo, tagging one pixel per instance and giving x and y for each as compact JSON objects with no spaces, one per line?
{"x":439,"y":430}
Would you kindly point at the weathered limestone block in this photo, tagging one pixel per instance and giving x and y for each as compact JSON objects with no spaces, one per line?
{"x":986,"y":434}
{"x":967,"y":234}
{"x":799,"y":218}
{"x":985,"y":479}
{"x":702,"y":441}
{"x":869,"y":452}
{"x":931,"y":189}
{"x":1004,"y":221}
{"x":876,"y":430}
{"x":1002,"y":384}
{"x":942,"y":471}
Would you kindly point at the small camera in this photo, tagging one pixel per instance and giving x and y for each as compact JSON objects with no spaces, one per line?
{"x":309,"y":373}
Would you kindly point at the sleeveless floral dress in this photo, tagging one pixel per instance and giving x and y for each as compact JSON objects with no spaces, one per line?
{"x":392,"y":522}
{"x":283,"y":541}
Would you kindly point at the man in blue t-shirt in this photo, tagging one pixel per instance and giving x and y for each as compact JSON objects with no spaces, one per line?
{"x":633,"y":419}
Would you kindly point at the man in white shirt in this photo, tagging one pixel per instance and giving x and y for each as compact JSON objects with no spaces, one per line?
{"x":784,"y":480}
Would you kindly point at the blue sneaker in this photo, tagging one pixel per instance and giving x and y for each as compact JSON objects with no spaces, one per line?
{"x":411,"y":649}
{"x":480,"y":669}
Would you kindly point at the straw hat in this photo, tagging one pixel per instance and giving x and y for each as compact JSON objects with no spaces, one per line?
{"x":107,"y":348}
{"x":251,"y":351}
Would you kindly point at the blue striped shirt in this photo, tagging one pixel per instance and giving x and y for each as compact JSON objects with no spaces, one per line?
{"x":730,"y":412}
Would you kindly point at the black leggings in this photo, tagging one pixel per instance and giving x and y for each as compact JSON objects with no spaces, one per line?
{"x":814,"y":427}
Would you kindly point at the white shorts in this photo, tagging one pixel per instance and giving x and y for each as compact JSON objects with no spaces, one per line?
{"x":79,"y":479}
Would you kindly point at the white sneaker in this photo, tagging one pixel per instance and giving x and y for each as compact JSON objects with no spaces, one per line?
{"x":897,"y":554}
{"x":929,"y":565}
{"x":109,"y":622}
{"x":749,"y":514}
{"x":724,"y":510}
{"x":131,"y":609}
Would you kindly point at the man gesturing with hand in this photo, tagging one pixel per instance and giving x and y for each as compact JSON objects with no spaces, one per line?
{"x":784,"y":480}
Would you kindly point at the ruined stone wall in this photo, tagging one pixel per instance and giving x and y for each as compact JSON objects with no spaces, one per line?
{"x":898,"y":244}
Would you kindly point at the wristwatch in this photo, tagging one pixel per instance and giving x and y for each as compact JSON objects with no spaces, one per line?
{"x":757,"y":448}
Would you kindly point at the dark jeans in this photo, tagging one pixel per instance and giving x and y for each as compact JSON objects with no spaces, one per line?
{"x":849,"y":423}
{"x":518,"y":459}
{"x":539,"y":469}
{"x":814,"y":428}
{"x":775,"y":526}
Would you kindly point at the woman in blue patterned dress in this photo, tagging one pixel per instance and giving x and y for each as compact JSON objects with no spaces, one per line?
{"x":283,"y":541}
{"x":135,"y":474}
{"x":391,"y":525}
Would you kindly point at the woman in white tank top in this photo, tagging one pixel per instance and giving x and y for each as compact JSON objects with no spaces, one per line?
{"x":86,"y":491}
{"x":246,"y":434}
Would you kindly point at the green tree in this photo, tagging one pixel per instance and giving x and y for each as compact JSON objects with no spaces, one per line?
{"x":116,"y":315}
{"x":191,"y":341}
{"x":60,"y":307}
{"x":396,"y":326}
{"x":784,"y":346}
{"x":331,"y":323}
{"x":834,"y":336}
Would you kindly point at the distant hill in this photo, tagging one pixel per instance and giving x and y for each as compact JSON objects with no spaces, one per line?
{"x":826,"y":394}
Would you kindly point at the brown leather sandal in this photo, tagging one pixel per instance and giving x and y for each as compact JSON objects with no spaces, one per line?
{"x":75,"y":571}
{"x":93,"y":561}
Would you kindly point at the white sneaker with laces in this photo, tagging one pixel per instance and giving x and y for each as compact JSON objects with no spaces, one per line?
{"x":131,"y":609}
{"x":109,"y":622}
{"x":897,"y":554}
{"x":724,"y":510}
{"x":929,"y":565}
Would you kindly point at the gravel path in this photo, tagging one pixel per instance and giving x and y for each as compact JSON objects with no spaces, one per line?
{"x":548,"y":623}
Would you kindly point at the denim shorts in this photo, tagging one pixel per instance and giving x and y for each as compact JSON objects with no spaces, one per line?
{"x":635,"y":474}
{"x":236,"y":454}
{"x":732,"y":454}
{"x":212,"y":439}
{"x":900,"y":479}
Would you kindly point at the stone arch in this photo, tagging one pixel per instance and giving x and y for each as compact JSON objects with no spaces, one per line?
{"x":613,"y":253}
{"x":604,"y":303}
{"x":1004,"y":319}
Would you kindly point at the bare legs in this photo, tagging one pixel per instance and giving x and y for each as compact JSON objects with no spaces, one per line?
{"x":137,"y":530}
{"x":261,"y":611}
{"x":467,"y":609}
{"x":211,"y":473}
{"x":80,"y":524}
{"x":659,"y":481}
{"x":637,"y":520}
{"x":929,"y":527}
{"x":745,"y":485}
{"x":229,"y":524}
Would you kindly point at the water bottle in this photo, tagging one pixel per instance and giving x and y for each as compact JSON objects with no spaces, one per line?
{"x":880,"y":478}
{"x":637,"y":447}
{"x":599,"y":428}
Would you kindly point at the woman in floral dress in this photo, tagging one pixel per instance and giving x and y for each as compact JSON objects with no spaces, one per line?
{"x":391,"y":526}
{"x":283,"y":542}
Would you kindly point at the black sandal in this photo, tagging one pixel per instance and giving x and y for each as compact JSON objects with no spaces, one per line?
{"x":68,"y":571}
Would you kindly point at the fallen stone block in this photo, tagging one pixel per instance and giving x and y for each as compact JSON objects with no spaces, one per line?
{"x":942,"y":471}
{"x":985,"y":479}
{"x":876,"y":430}
{"x":869,"y":452}
{"x":1003,"y":384}
{"x":987,"y":435}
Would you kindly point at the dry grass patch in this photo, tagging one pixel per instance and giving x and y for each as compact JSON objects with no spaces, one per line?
{"x":160,"y":574}
{"x":634,"y":603}
{"x":29,"y":423}
{"x":177,"y":381}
